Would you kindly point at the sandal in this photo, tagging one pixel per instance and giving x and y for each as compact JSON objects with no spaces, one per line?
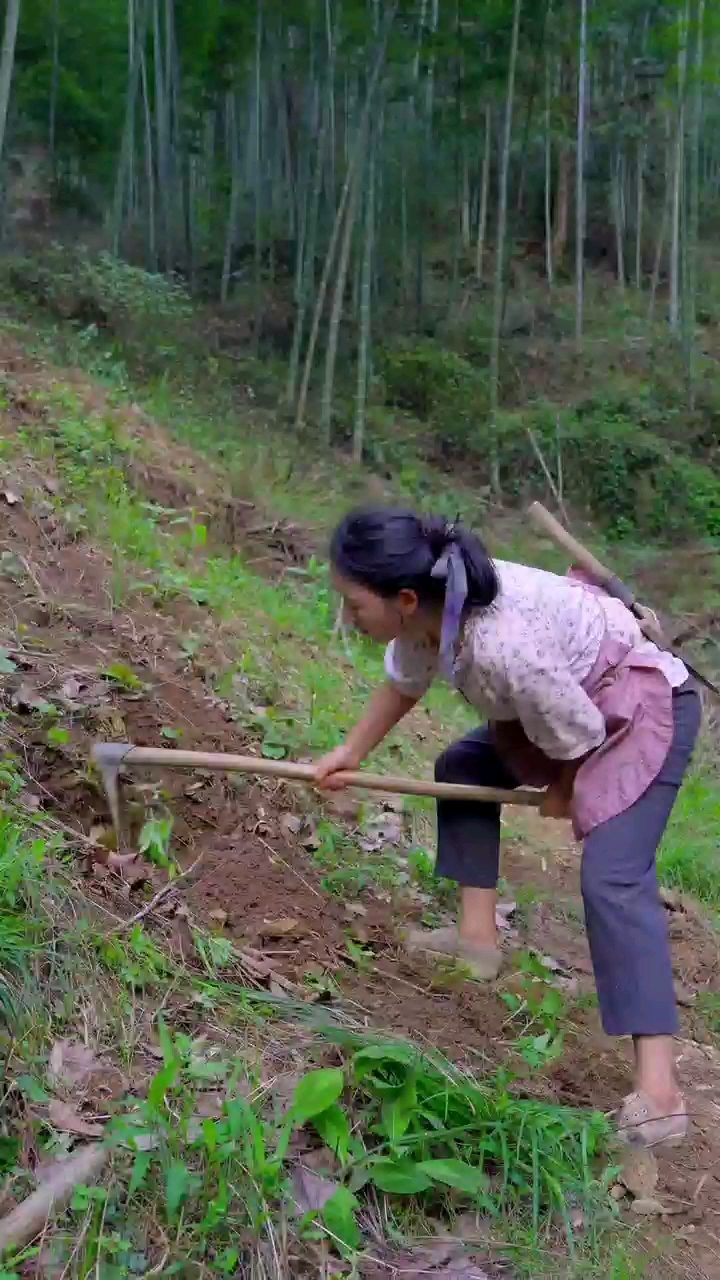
{"x":483,"y":962}
{"x":641,"y":1123}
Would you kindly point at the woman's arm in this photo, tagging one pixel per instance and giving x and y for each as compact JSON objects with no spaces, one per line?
{"x":385,"y":709}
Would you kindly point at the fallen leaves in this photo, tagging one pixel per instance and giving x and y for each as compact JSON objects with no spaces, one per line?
{"x":285,"y":927}
{"x":639,"y":1173}
{"x":444,"y":1260}
{"x":132,"y":869}
{"x":74,"y":1069}
{"x":311,"y":1192}
{"x":64,"y":1116}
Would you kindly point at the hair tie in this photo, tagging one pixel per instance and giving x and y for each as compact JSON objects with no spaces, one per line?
{"x":451,"y":568}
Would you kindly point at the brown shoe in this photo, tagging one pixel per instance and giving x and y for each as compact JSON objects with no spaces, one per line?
{"x":483,"y":962}
{"x":641,"y":1123}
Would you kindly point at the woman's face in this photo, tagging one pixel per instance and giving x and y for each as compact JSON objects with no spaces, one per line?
{"x":378,"y":617}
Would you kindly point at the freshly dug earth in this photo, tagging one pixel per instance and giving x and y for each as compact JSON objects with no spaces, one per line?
{"x":257,"y":879}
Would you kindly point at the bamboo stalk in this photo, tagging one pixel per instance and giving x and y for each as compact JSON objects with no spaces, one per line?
{"x":114,"y":756}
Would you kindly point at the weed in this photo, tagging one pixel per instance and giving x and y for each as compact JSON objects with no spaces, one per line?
{"x":154,"y":843}
{"x":542,"y":1010}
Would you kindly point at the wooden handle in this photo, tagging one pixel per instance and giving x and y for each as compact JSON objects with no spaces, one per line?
{"x":585,"y":559}
{"x":167,"y":756}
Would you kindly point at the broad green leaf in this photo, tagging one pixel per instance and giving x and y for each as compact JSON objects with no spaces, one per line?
{"x":404,"y":1054}
{"x":399,"y":1177}
{"x":334,"y":1129}
{"x":141,"y":1165}
{"x":317,"y":1091}
{"x":162,"y":1081}
{"x":7,"y":666}
{"x":178,"y":1181}
{"x":455,"y":1173}
{"x":338,"y":1214}
{"x":396,"y":1118}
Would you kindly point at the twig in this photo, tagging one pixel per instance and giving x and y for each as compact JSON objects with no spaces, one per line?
{"x":154,"y":902}
{"x":556,"y":492}
{"x":289,"y":866}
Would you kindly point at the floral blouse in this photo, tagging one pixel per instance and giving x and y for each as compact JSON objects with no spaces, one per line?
{"x":526,"y":656}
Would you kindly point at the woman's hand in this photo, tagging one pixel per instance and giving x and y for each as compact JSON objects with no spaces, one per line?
{"x":556,"y":802}
{"x":334,"y":763}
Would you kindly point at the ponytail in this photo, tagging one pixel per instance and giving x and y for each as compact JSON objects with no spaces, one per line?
{"x":388,"y":550}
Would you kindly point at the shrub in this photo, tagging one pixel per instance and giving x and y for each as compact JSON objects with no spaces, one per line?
{"x":146,"y":314}
{"x":628,"y":476}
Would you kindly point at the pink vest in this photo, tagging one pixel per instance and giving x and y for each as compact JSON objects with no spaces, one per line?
{"x":636,"y":701}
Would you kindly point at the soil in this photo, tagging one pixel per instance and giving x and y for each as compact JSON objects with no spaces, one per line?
{"x":256,"y":879}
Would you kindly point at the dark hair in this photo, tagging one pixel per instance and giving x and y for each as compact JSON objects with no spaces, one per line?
{"x":387,"y":550}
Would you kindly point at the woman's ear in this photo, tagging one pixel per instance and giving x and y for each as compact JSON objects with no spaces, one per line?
{"x":408,"y":602}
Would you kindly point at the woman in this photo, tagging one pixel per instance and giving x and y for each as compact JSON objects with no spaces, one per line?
{"x":578,"y":701}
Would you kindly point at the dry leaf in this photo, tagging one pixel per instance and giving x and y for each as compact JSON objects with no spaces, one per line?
{"x":503,"y":912}
{"x":281,"y":928}
{"x":354,"y":910}
{"x":290,"y":824}
{"x":670,"y":898}
{"x":27,"y":698}
{"x":309,"y":838}
{"x":639,"y":1173}
{"x":685,"y":996}
{"x":11,"y":498}
{"x":311,"y":1192}
{"x":209,"y":1105}
{"x":73,"y":1067}
{"x":343,"y":804}
{"x":130,"y":867}
{"x":104,"y":836}
{"x":443,"y":1261}
{"x":182,"y":941}
{"x":78,"y":691}
{"x":65,"y":1117}
{"x":648,"y":1208}
{"x":70,"y":1063}
{"x":219,"y":917}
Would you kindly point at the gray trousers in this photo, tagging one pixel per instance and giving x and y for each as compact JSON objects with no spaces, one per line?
{"x":625,"y":919}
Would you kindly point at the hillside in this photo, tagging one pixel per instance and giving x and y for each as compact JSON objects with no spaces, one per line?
{"x":163,"y":582}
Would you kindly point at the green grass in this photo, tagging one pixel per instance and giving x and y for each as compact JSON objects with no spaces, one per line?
{"x":203,"y":1161}
{"x":690,"y":858}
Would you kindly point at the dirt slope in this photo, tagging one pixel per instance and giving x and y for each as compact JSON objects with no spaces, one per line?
{"x":65,"y":635}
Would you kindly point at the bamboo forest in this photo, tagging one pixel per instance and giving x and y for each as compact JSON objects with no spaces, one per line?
{"x":453,"y":265}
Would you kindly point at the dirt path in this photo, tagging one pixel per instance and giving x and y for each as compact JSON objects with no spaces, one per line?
{"x":256,"y":876}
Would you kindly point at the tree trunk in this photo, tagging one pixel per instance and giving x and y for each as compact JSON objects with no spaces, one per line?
{"x":618,"y":203}
{"x":149,"y":163}
{"x":500,"y":248}
{"x":484,"y":192}
{"x":54,"y":80}
{"x":7,"y":63}
{"x":679,"y":164}
{"x":355,"y":161}
{"x":694,"y":218}
{"x":562,"y":205}
{"x":639,"y":213}
{"x":548,"y":155}
{"x":235,"y":189}
{"x":580,"y":180}
{"x":365,"y":310}
{"x":337,"y":307}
